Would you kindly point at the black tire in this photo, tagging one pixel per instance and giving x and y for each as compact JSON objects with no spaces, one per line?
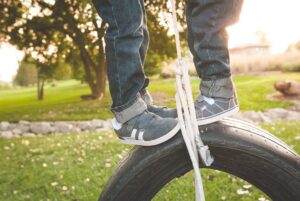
{"x":239,"y":149}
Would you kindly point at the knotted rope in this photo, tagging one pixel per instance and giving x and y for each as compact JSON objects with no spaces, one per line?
{"x":187,"y":115}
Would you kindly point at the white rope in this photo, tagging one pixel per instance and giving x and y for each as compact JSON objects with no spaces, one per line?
{"x":187,"y":115}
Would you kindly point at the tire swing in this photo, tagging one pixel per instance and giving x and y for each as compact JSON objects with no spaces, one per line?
{"x":239,"y":149}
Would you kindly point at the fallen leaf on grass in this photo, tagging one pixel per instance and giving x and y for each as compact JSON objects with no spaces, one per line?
{"x":247,"y":186}
{"x":107,"y":163}
{"x":54,"y":184}
{"x":25,"y":142}
{"x":64,"y":188}
{"x":242,"y":192}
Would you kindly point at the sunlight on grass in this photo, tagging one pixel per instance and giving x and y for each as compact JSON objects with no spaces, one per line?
{"x":217,"y":186}
{"x":77,"y":166}
{"x":62,"y":101}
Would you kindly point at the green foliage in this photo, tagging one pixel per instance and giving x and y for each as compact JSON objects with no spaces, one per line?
{"x":162,"y":45}
{"x":63,"y":72}
{"x":295,"y":67}
{"x":154,"y":63}
{"x":58,"y":32}
{"x":297,"y":45}
{"x":72,"y":32}
{"x":4,"y":85}
{"x":77,"y":166}
{"x":26,"y":74}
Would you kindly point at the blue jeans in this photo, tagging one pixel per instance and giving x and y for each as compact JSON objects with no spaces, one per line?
{"x":127,"y":41}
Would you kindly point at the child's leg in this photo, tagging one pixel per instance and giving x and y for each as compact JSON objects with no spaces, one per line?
{"x":143,"y":52}
{"x":207,"y":39}
{"x":125,"y":45}
{"x":161,"y":111}
{"x":123,"y":39}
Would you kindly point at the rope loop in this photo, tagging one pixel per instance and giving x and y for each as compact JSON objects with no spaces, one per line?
{"x":187,"y":115}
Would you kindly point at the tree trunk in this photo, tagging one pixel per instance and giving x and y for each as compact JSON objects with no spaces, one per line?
{"x":97,"y":79}
{"x":40,"y":88}
{"x":100,"y":79}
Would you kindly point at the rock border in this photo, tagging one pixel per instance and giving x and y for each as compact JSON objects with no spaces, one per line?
{"x":26,"y":128}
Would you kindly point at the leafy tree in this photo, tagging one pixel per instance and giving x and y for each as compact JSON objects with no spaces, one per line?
{"x":50,"y":31}
{"x":26,"y":74}
{"x":162,"y":44}
{"x":63,"y":71}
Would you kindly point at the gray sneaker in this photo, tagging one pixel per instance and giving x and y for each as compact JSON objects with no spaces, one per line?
{"x":162,"y":111}
{"x":209,"y":110}
{"x":146,"y":129}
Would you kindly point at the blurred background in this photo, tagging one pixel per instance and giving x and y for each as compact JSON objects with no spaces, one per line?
{"x":56,"y":142}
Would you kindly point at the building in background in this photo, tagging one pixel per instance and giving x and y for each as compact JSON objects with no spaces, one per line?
{"x":251,"y":49}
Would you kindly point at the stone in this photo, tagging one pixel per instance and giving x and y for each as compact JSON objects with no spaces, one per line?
{"x":76,"y":130}
{"x":84,"y":125}
{"x":238,"y":115}
{"x":62,"y":127}
{"x":277,"y":114}
{"x":243,"y":116}
{"x":17,"y":131}
{"x":6,"y":134}
{"x":24,"y":128}
{"x":263,"y":117}
{"x":13,"y":126}
{"x":107,"y":125}
{"x":24,"y":122}
{"x":41,"y":128}
{"x":293,"y":115}
{"x":99,"y":130}
{"x":4,"y":126}
{"x":252,"y":116}
{"x":96,"y":123}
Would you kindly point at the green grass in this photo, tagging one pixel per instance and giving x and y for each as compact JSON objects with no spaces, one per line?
{"x":63,"y":102}
{"x":77,"y":166}
{"x":252,"y":90}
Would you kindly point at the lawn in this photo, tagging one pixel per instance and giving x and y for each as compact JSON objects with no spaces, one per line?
{"x":62,"y":101}
{"x":77,"y":166}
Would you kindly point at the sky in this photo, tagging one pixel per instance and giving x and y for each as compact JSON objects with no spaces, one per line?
{"x":9,"y":62}
{"x":278,"y":19}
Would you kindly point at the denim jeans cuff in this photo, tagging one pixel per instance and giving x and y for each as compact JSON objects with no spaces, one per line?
{"x":146,"y":96}
{"x":219,"y":88}
{"x":128,"y":111}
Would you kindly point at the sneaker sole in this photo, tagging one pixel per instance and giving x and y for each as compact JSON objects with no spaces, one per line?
{"x":157,"y":141}
{"x":217,"y":117}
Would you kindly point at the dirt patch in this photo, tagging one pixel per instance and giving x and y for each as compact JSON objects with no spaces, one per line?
{"x":294,"y":99}
{"x":161,"y":98}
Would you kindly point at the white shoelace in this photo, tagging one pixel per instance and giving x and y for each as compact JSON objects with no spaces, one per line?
{"x":210,"y":101}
